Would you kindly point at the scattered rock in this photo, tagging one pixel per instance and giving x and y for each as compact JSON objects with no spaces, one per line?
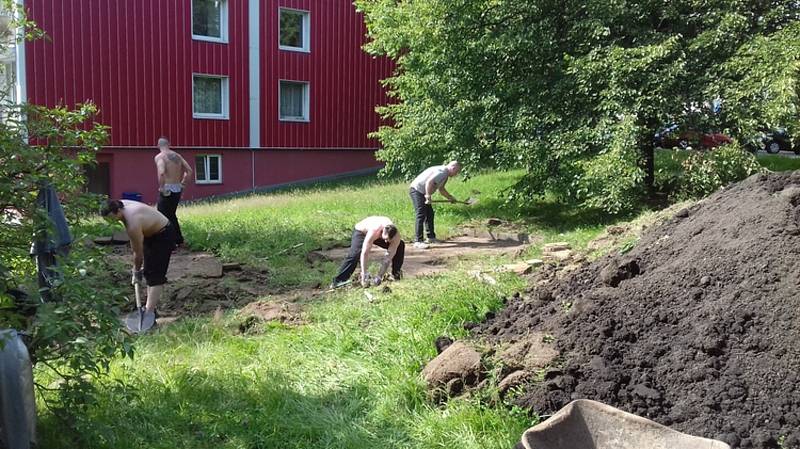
{"x":512,"y":380}
{"x":559,"y":255}
{"x":442,"y":343}
{"x":120,"y":237}
{"x":616,"y":272}
{"x":683,"y":213}
{"x":557,"y":246}
{"x":457,"y":366}
{"x":530,"y":353}
{"x":518,"y":268}
{"x":231,"y":266}
{"x":534,"y":262}
{"x":103,"y":241}
{"x":206,"y":266}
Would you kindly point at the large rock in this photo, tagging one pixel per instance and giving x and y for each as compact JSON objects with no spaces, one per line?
{"x":531,"y":353}
{"x":459,"y":365}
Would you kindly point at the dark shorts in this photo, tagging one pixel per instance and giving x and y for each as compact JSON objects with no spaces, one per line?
{"x":157,"y":251}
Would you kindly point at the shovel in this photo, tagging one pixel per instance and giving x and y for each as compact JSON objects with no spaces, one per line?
{"x":140,"y":320}
{"x":469,"y":201}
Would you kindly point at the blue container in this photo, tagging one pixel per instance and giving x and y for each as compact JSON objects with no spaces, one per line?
{"x":134,"y":196}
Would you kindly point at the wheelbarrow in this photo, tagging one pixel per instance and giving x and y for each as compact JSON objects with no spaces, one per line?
{"x":585,"y":424}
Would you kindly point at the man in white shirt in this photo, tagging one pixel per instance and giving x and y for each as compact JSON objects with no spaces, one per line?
{"x":421,"y":190}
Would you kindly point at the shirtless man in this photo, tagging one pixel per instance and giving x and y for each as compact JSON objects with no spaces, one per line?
{"x":173,"y":170}
{"x":421,"y":190}
{"x":379,"y":231}
{"x":152,"y":241}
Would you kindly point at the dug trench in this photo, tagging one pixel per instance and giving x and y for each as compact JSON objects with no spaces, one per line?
{"x":697,"y":326}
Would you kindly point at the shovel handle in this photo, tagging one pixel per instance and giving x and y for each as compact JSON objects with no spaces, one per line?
{"x":137,"y":290}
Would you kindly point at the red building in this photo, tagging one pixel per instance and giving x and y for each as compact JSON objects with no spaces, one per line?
{"x":253,"y":93}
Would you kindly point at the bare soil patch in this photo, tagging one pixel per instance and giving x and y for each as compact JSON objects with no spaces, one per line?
{"x":199,"y":283}
{"x":696,"y":327}
{"x":421,"y":262}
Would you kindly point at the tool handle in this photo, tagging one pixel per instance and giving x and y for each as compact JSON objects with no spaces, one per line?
{"x":137,"y":289}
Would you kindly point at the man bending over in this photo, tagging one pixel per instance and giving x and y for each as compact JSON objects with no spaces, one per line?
{"x":379,"y":231}
{"x":152,"y":241}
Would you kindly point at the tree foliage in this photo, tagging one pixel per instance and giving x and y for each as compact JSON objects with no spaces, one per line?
{"x":76,"y":333}
{"x":573,"y":91}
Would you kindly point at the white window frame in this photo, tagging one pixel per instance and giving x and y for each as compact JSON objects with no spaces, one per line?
{"x":207,"y":171}
{"x":306,"y":48}
{"x":225,"y":98}
{"x":223,"y":24}
{"x":306,"y":102}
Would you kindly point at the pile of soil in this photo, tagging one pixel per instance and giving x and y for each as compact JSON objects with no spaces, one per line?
{"x":697,"y":327}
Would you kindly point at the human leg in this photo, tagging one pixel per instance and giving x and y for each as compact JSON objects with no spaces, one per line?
{"x":351,"y":260}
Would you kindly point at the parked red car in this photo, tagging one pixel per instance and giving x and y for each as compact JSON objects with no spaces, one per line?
{"x":672,"y":137}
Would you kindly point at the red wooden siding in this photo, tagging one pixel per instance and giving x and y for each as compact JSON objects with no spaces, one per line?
{"x":132,"y":170}
{"x":343,"y":79}
{"x":135,"y":59}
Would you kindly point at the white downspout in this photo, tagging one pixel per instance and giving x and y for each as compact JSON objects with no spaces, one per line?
{"x":19,"y":47}
{"x":254,"y":64}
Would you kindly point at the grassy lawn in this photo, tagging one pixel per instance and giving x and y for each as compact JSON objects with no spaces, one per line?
{"x":263,"y":230}
{"x":346,"y":378}
{"x":670,"y":160}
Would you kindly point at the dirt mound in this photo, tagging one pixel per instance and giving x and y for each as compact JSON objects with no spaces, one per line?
{"x":696,"y":327}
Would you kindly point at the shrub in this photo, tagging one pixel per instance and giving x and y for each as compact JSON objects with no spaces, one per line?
{"x":705,"y":172}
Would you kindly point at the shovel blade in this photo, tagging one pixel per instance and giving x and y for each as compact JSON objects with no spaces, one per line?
{"x":140,"y":321}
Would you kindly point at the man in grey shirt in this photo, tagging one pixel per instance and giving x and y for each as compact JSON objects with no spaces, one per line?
{"x":421,"y":190}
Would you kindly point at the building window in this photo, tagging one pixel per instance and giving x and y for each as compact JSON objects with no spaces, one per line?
{"x":210,"y":20}
{"x":210,"y":96}
{"x":294,"y":101}
{"x":8,"y":85}
{"x":295,"y":30}
{"x":208,"y":169}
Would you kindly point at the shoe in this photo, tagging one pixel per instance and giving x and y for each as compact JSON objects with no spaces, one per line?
{"x":421,"y":245}
{"x":434,"y":240}
{"x":396,"y":276}
{"x":339,"y":284}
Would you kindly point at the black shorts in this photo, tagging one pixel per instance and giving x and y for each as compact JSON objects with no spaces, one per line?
{"x":157,"y":251}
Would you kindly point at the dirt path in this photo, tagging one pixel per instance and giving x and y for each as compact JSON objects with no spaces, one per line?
{"x":199,"y":283}
{"x":421,"y":262}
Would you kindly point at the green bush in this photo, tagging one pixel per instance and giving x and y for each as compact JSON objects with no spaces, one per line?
{"x":705,"y":172}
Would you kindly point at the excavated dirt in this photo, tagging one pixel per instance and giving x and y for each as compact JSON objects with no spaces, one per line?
{"x":199,"y":283}
{"x":696,"y":327}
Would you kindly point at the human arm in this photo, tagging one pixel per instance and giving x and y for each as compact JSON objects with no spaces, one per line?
{"x":187,"y":171}
{"x":447,"y":194}
{"x":137,"y":245}
{"x":390,"y":252}
{"x":371,"y":236}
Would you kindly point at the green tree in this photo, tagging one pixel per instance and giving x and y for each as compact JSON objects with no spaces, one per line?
{"x":77,"y":332}
{"x":573,"y":91}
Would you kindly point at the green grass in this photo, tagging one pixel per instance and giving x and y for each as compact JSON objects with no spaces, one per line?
{"x":346,"y":378}
{"x":777,"y":162}
{"x":349,"y":378}
{"x":262,"y":230}
{"x":670,"y":161}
